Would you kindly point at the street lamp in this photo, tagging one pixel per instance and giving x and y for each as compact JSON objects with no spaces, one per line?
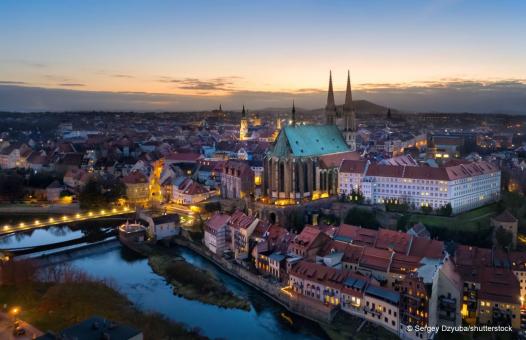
{"x":15,"y":311}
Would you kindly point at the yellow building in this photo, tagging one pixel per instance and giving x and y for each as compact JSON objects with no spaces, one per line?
{"x":137,"y":188}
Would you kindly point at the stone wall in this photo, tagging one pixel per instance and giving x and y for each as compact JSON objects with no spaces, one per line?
{"x":296,"y":305}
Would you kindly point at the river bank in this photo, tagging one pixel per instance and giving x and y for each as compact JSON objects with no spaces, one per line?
{"x":336,"y":324}
{"x":188,"y":281}
{"x":55,"y":306}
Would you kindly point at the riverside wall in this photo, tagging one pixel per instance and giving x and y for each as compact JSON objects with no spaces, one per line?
{"x":295,"y":304}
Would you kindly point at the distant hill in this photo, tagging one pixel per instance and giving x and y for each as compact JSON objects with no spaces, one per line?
{"x":360,"y":106}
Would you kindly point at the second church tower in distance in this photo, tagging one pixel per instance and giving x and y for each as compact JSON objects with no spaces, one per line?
{"x":345,"y":120}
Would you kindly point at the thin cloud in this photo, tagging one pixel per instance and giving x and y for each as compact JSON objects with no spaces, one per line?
{"x":122,"y":76}
{"x":71,"y":84}
{"x":9,"y":82}
{"x":496,"y":96}
{"x":223,"y":84}
{"x":27,"y":63}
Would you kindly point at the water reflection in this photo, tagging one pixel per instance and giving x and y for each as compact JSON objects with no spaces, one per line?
{"x":149,"y":291}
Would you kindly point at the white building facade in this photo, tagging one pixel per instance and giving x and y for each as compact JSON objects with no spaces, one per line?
{"x":464,"y":186}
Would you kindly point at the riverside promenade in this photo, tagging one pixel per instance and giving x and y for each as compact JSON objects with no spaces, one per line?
{"x":294,"y":303}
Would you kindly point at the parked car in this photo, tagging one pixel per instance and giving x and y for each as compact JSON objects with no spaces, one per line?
{"x":18,"y":331}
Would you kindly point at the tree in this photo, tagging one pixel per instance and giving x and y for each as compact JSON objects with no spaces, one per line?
{"x":403,"y":222}
{"x":504,"y":238}
{"x":356,"y":196}
{"x":11,"y":187}
{"x":100,"y":193}
{"x":426,"y":209}
{"x":446,"y":210}
{"x":296,"y":219}
{"x":91,"y":196}
{"x":362,"y":217}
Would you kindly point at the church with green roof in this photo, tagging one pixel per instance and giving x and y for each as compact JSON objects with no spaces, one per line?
{"x":303,"y":163}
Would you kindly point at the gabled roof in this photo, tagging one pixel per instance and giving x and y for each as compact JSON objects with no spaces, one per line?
{"x":307,"y":236}
{"x":506,"y":217}
{"x":218,"y":221}
{"x":397,"y":241}
{"x":320,"y":273}
{"x":353,"y":166}
{"x":135,"y":177}
{"x":424,"y":247}
{"x":356,"y":235}
{"x":334,"y":160}
{"x":240,"y":220}
{"x":376,"y":259}
{"x":500,"y":285}
{"x":309,"y":140}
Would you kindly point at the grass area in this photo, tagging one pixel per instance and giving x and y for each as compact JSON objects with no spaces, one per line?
{"x":195,"y":284}
{"x":55,"y":306}
{"x":469,"y":220}
{"x":472,"y":227}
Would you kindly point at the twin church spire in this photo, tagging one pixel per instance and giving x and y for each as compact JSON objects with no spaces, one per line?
{"x":345,"y":119}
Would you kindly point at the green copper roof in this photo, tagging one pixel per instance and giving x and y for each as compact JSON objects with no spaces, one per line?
{"x":309,"y":140}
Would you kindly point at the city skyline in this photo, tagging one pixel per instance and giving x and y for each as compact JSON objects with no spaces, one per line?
{"x":432,"y":56}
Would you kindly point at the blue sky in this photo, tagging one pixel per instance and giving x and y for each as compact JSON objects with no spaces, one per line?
{"x":206,"y":49}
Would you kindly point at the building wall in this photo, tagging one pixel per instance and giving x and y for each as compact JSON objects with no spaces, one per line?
{"x":382,"y":312}
{"x":463,"y":194}
{"x":217,"y":241}
{"x":137,"y":193}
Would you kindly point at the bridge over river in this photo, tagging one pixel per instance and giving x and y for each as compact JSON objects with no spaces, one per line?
{"x":52,"y":221}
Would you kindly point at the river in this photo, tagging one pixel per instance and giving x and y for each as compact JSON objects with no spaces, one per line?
{"x":149,"y":291}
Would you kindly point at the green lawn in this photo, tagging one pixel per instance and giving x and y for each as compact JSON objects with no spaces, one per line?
{"x":469,"y":220}
{"x":472,"y":227}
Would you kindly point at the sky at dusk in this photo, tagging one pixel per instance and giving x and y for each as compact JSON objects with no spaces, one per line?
{"x":443,"y":55}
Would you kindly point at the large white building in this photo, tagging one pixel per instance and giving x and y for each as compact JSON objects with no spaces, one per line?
{"x":465,"y":186}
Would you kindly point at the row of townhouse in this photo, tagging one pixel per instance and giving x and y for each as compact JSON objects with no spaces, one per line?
{"x":224,"y":232}
{"x":390,"y":278}
{"x":465,"y":186}
{"x":396,"y":279}
{"x":354,"y":293}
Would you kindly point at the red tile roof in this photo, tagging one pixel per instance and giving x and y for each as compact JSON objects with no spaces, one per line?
{"x":320,"y":273}
{"x":351,"y":166}
{"x":239,"y":220}
{"x":334,"y":160}
{"x":500,"y":285}
{"x":135,"y":177}
{"x":506,"y":217}
{"x":423,"y":247}
{"x":403,"y":264}
{"x":376,"y":259}
{"x":191,"y":187}
{"x":356,"y":235}
{"x":217,"y":221}
{"x":183,"y":157}
{"x":395,"y":240}
{"x":429,"y":173}
{"x":307,"y":236}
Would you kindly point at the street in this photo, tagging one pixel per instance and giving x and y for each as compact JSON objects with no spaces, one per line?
{"x":7,"y":327}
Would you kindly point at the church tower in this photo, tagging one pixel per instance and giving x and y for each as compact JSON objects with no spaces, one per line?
{"x":293,"y":114}
{"x":243,"y":126}
{"x":349,"y":116}
{"x":330,"y":108}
